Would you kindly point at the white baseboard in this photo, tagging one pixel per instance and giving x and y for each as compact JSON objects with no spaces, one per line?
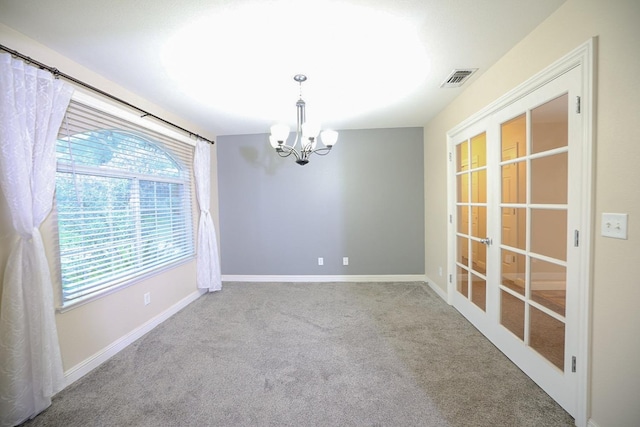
{"x":333,"y":278}
{"x":592,"y":423}
{"x":442,"y":294}
{"x":87,"y":365}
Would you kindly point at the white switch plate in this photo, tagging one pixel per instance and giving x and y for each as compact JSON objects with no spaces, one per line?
{"x":345,"y":260}
{"x":320,"y":261}
{"x":614,"y":225}
{"x":147,"y":298}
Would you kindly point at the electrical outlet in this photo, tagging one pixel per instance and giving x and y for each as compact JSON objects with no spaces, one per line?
{"x":147,"y":298}
{"x":320,"y":261}
{"x":345,"y":260}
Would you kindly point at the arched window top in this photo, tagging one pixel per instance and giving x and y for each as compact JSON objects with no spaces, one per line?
{"x":116,"y":149}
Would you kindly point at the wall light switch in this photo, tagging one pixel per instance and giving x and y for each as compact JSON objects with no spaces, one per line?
{"x":614,"y":225}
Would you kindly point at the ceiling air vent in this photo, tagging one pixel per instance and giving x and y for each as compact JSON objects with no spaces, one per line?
{"x":458,"y":77}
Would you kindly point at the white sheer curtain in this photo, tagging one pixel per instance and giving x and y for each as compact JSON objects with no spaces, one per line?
{"x":208,"y":262}
{"x":32,"y":105}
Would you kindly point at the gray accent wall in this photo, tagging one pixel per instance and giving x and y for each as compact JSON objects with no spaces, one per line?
{"x":364,"y":200}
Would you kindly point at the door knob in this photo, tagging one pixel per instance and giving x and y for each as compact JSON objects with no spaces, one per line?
{"x":487,"y":241}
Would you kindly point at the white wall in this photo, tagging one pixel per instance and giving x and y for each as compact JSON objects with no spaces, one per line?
{"x":88,"y":330}
{"x":615,"y":355}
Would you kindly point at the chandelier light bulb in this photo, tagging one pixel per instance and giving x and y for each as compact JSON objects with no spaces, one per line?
{"x":273,"y":141}
{"x":310,"y":130}
{"x":329,"y":137}
{"x":280,"y":132}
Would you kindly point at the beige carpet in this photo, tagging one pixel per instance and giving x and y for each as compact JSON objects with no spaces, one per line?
{"x":338,"y":354}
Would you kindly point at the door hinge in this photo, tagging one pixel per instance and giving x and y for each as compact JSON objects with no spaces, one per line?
{"x":576,"y":238}
{"x":573,"y":363}
{"x":578,"y":104}
{"x":450,"y":219}
{"x":450,"y":278}
{"x":450,"y":156}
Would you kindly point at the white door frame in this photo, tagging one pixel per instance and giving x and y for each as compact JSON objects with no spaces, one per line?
{"x":583,"y":56}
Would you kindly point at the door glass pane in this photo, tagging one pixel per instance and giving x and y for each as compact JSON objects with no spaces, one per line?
{"x":479,"y":257}
{"x":462,"y":156}
{"x":549,"y":233}
{"x":514,"y":182}
{"x":549,"y":179}
{"x":514,"y":227}
{"x":478,"y":150}
{"x":550,"y":125}
{"x":463,"y":251}
{"x":546,"y":336}
{"x":479,"y":221}
{"x":463,"y":188}
{"x":478,"y":291}
{"x":513,"y":271}
{"x":513,"y":137}
{"x":474,"y":253}
{"x":462,"y":282}
{"x":549,"y":285}
{"x":479,"y":186}
{"x":463,"y":219}
{"x":512,"y":314}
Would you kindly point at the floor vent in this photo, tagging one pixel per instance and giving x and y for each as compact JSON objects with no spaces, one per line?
{"x":458,"y":77}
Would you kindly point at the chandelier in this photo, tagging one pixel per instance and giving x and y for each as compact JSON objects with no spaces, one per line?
{"x":306,"y":134}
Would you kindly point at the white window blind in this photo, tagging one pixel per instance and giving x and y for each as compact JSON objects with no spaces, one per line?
{"x":123,"y":202}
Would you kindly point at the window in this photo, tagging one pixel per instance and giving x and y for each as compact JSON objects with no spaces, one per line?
{"x":123,"y":202}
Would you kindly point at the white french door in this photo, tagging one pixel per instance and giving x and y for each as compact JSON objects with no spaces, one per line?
{"x":516,"y":215}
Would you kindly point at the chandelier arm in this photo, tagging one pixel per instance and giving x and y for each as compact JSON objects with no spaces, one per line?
{"x":283,"y":154}
{"x":322,"y":151}
{"x":306,"y":154}
{"x":289,"y":151}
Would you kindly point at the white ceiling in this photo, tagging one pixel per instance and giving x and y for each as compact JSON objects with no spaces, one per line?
{"x":228,"y":65}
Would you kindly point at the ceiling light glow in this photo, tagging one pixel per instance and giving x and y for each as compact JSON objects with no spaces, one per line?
{"x":242,"y":60}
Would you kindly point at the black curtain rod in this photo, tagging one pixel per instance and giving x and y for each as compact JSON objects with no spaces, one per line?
{"x":58,"y":73}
